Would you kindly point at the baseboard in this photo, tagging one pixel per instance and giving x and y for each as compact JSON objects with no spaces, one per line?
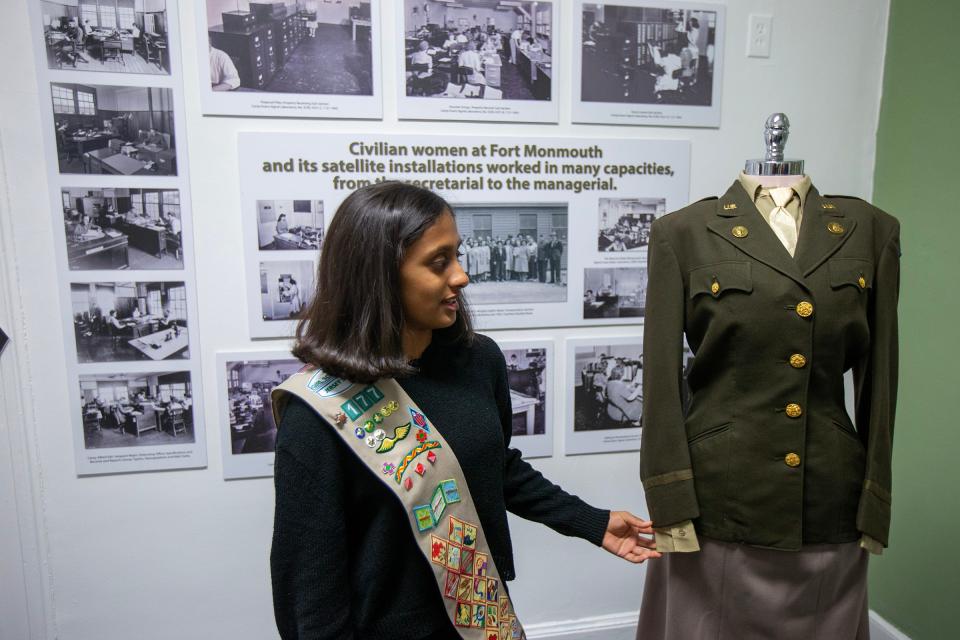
{"x":880,"y":629}
{"x":623,"y":626}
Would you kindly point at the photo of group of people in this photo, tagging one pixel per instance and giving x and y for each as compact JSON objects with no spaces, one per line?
{"x":116,"y":130}
{"x":122,"y":228}
{"x":487,"y":49}
{"x":130,"y":321}
{"x":614,"y":292}
{"x":625,"y":222}
{"x":136,"y":409}
{"x":289,"y":225}
{"x":120,"y":36}
{"x":514,"y":252}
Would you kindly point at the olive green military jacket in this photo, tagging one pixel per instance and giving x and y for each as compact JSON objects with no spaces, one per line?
{"x":766,"y":453}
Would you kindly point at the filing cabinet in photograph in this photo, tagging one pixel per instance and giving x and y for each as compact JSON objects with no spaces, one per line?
{"x":252,"y":50}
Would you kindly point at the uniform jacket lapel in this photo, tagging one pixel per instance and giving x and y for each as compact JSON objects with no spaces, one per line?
{"x":736,"y":209}
{"x":817,"y":242}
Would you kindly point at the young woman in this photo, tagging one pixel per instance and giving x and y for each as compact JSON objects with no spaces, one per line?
{"x":346,"y":562}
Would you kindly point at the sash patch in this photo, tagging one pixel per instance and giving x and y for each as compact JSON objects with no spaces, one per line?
{"x":387,"y":444}
{"x":407,"y":459}
{"x":327,"y":386}
{"x":419,"y":419}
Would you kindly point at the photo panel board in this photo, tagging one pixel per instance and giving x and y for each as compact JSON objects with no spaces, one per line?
{"x":484,"y":60}
{"x":290,"y":58}
{"x":647,"y":62}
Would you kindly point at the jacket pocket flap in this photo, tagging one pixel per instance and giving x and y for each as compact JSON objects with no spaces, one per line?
{"x":720,"y":277}
{"x":854,"y":272}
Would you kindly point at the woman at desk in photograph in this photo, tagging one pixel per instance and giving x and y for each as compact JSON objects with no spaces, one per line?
{"x":421,"y":57}
{"x":155,"y":138}
{"x":470,"y":58}
{"x":344,"y":563}
{"x":282,"y":226}
{"x":114,"y":322}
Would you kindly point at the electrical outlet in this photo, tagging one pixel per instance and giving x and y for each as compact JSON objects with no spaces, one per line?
{"x":758,"y":36}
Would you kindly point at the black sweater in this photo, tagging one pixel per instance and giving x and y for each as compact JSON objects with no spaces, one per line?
{"x":344,"y":561}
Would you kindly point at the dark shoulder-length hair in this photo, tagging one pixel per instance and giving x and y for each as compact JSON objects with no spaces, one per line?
{"x":352,"y":327}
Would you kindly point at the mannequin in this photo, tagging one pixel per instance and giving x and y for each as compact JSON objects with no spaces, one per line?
{"x":764,"y":495}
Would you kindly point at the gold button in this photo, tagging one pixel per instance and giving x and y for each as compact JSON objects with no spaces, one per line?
{"x":862,"y":282}
{"x":794,"y":410}
{"x":804,"y":309}
{"x":835,"y":228}
{"x":792,"y":460}
{"x":797,"y":361}
{"x":740,"y":231}
{"x":715,"y":288}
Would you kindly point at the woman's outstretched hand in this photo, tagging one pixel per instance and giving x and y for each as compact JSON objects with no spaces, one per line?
{"x":629,"y":537}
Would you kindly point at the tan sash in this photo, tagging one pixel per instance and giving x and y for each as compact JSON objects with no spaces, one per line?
{"x":398,"y":444}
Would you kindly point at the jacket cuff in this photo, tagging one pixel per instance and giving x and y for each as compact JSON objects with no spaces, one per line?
{"x":873,"y":514}
{"x":671,"y":498}
{"x":680,"y":538}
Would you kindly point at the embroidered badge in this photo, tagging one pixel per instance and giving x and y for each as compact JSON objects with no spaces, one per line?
{"x":469,"y":535}
{"x":480,"y":566}
{"x":399,"y":434}
{"x":388,"y":468}
{"x":407,"y":459}
{"x":450,"y":491}
{"x":419,"y":419}
{"x":493,"y":590}
{"x":462,"y":616}
{"x":432,"y":457}
{"x":450,"y":585}
{"x":464,"y":588}
{"x":361,"y":402}
{"x":438,"y":503}
{"x":438,"y":551}
{"x":376,"y":438}
{"x":492,"y":617}
{"x":466,"y":561}
{"x":327,"y":386}
{"x":456,"y":530}
{"x":424,"y":517}
{"x":359,"y":432}
{"x":453,"y":556}
{"x":421,"y":435}
{"x":479,"y":620}
{"x":505,"y":608}
{"x":480,"y":590}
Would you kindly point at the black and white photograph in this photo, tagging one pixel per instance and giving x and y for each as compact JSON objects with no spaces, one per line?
{"x":119,"y":36}
{"x":136,"y":409}
{"x":279,"y":58}
{"x":659,"y":61}
{"x":120,"y":228}
{"x":130,"y":321}
{"x":619,"y":292}
{"x":116,"y":130}
{"x":624,"y":223}
{"x":514,"y":253}
{"x":484,"y":49}
{"x":285,"y":288}
{"x":289,"y":225}
{"x":249,"y":431}
{"x":530,"y":378}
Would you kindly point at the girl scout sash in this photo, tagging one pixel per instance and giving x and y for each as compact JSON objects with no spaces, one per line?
{"x":386,"y":430}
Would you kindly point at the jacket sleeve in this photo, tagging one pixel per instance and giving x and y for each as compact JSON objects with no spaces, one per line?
{"x":308,"y":566}
{"x":664,"y":457}
{"x":531,"y":496}
{"x":876,"y":393}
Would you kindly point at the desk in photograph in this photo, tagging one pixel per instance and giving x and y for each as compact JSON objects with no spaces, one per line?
{"x":100,"y":252}
{"x":122,"y":165}
{"x":149,"y":238}
{"x":358,"y":22}
{"x":140,"y":326}
{"x":156,"y":346}
{"x":90,"y":143}
{"x":536,"y":69}
{"x":524,"y":404}
{"x":140,"y":421}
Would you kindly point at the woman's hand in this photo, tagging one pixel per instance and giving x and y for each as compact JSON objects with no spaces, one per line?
{"x":629,"y":537}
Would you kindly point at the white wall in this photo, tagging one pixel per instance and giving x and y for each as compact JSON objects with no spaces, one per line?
{"x":184,"y":554}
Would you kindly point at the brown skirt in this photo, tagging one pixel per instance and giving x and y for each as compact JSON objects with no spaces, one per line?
{"x":738,"y":592}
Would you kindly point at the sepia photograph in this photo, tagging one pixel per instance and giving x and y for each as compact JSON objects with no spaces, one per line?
{"x":482,"y":49}
{"x":291,"y":47}
{"x":121,"y":228}
{"x":614,"y":292}
{"x":136,"y":409}
{"x":647,"y":55}
{"x":285,"y":288}
{"x":126,"y":131}
{"x":119,"y":36}
{"x":514,"y":253}
{"x":624,"y":223}
{"x":289,"y":225}
{"x":130,"y":321}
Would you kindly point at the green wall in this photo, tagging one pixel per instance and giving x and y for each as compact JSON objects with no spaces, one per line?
{"x":915,"y":584}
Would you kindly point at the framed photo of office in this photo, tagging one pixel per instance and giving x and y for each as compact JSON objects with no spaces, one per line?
{"x":116,"y":36}
{"x":120,"y":228}
{"x":514,"y":252}
{"x":290,"y":225}
{"x":247,"y":429}
{"x":484,"y":60}
{"x":604,"y":394}
{"x":530,"y":367}
{"x":614,"y":292}
{"x":130,"y":321}
{"x":647,"y":62}
{"x":136,"y":409}
{"x":114,"y":130}
{"x":289,"y":58}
